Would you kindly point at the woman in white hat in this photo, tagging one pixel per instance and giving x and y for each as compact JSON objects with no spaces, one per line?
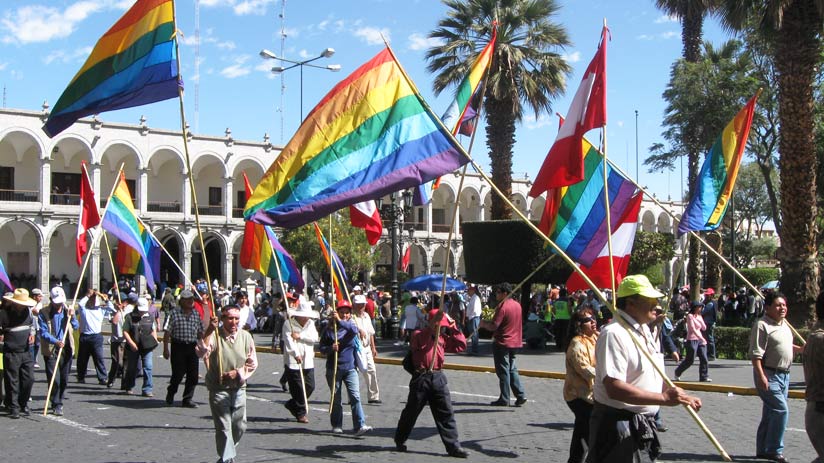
{"x":299,"y":338}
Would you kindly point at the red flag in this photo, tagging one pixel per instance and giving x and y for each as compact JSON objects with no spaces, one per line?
{"x":622,"y":240}
{"x":403,"y":265}
{"x":89,"y":215}
{"x":250,"y":247}
{"x":564,"y":164}
{"x":365,"y":215}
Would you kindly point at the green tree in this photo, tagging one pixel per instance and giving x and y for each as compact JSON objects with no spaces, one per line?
{"x":526,"y":70}
{"x":793,"y":30}
{"x":348,"y":242}
{"x":649,"y":250}
{"x":751,"y":205}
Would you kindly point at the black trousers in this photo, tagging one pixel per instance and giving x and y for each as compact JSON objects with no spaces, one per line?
{"x":61,"y":369}
{"x":580,"y":432}
{"x":117,"y":352}
{"x":91,"y":345}
{"x":184,"y":362}
{"x":432,"y":389}
{"x":19,"y":377}
{"x":295,"y":404}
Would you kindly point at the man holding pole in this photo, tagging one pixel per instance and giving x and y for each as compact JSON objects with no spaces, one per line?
{"x":183,"y":332}
{"x":56,"y":324}
{"x":628,"y":390}
{"x":17,"y":332}
{"x":299,"y":338}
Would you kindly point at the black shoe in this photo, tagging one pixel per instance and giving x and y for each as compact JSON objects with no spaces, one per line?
{"x":109,"y":385}
{"x":26,"y":411}
{"x":400,"y":447}
{"x":102,"y":382}
{"x":81,"y":380}
{"x":189,"y":404}
{"x":376,"y":401}
{"x":458,"y":452}
{"x":170,"y":399}
{"x":780,"y":458}
{"x":499,"y":403}
{"x":520,"y":401}
{"x":15,"y":415}
{"x":58,"y":410}
{"x":662,"y":428}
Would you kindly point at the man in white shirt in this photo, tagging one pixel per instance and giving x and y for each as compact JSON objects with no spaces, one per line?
{"x":368,"y":350}
{"x":247,"y":316}
{"x":474,"y":309}
{"x":299,"y":338}
{"x":628,"y":389}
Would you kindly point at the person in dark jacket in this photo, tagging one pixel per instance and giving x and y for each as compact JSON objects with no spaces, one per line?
{"x":17,"y":330}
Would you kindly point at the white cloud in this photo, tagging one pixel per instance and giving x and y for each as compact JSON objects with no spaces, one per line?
{"x":63,"y":56}
{"x":372,"y":35}
{"x":573,"y":57}
{"x":663,"y":19}
{"x":227,"y":45}
{"x":3,"y":66}
{"x":620,"y":124}
{"x":37,"y":23}
{"x":255,"y":7}
{"x":421,"y":42}
{"x":543,"y":120}
{"x":660,"y":36}
{"x":238,"y":69}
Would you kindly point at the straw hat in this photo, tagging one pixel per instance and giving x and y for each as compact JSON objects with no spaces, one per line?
{"x":21,"y":296}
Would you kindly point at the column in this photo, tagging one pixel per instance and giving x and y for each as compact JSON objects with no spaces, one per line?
{"x":457,"y":222}
{"x":187,"y":198}
{"x":428,"y":253}
{"x":187,"y":266}
{"x":94,"y":268}
{"x":227,"y":271}
{"x":95,"y":176}
{"x":45,"y":182}
{"x":43,"y":266}
{"x":228,"y":185}
{"x":428,"y":218}
{"x":142,"y":189}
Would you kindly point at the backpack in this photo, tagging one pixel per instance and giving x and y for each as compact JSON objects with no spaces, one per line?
{"x":142,"y":328}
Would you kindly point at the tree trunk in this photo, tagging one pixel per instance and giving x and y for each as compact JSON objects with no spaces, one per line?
{"x":500,"y":137}
{"x":713,"y":275}
{"x":796,"y":57}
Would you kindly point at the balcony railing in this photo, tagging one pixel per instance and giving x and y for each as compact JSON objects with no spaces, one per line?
{"x":440,"y":228}
{"x":209,"y":210}
{"x":103,"y":202}
{"x":237,"y":213}
{"x":19,"y":195}
{"x":164,"y":206}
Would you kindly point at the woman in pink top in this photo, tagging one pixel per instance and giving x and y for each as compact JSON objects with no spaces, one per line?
{"x":696,"y":344}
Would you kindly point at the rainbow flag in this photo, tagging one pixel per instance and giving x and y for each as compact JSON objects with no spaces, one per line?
{"x":575,"y":216}
{"x":133,"y":64}
{"x":127,"y":260}
{"x":370,"y":135}
{"x":121,"y":221}
{"x":339,"y":277}
{"x":4,"y":277}
{"x":261,"y":247}
{"x":717,"y":176}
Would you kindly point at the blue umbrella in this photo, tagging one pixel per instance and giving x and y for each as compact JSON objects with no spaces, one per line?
{"x":432,"y":282}
{"x":770,"y":285}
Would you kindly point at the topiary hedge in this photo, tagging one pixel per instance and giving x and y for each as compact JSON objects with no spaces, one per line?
{"x":732,"y":342}
{"x":756,"y":276}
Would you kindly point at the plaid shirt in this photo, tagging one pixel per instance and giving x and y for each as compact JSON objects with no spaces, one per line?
{"x":185,"y":329}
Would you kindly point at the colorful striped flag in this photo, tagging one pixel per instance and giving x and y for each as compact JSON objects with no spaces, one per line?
{"x":256,"y":251}
{"x":339,"y":277}
{"x":89,"y":216}
{"x":126,"y":260}
{"x":370,"y":136}
{"x":718,"y":174}
{"x":120,"y":219}
{"x":4,"y":277}
{"x":133,"y":64}
{"x":575,"y":216}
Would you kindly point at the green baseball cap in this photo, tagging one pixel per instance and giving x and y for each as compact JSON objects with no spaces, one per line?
{"x":637,"y":284}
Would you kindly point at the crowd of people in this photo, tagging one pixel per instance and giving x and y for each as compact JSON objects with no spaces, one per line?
{"x":614,"y":360}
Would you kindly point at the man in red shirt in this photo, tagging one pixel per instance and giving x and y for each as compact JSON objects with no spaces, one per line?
{"x":507,"y":333}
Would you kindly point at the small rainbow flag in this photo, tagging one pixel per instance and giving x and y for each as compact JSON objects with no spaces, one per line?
{"x":370,"y":135}
{"x":133,"y":64}
{"x":339,"y":277}
{"x":121,"y":221}
{"x":718,"y":174}
{"x":4,"y":277}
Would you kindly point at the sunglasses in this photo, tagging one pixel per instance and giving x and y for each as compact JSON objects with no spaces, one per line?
{"x":586,"y":320}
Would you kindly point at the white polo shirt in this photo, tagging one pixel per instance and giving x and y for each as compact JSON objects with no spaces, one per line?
{"x":619,"y":358}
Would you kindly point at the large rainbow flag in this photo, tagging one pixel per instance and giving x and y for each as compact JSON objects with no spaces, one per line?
{"x":261,"y":247}
{"x":121,"y":221}
{"x":575,"y":216}
{"x":369,"y":136}
{"x":339,"y":277}
{"x":4,"y":277}
{"x":133,"y":64}
{"x":718,"y":174}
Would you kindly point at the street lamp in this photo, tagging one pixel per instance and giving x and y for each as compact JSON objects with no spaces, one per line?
{"x":327,"y":53}
{"x":394,"y":213}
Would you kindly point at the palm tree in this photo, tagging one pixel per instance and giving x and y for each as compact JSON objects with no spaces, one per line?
{"x":794,"y":29}
{"x":526,"y":70}
{"x":691,"y":13}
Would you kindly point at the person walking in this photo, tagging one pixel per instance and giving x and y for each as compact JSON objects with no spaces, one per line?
{"x":561,"y":313}
{"x":227,"y":372}
{"x":299,"y":338}
{"x":428,"y":385}
{"x":140,"y":333}
{"x":580,"y":376}
{"x":814,"y":380}
{"x":474,"y":310}
{"x":117,"y":343}
{"x":91,"y":311}
{"x":696,"y":344}
{"x":56,"y":321}
{"x":185,"y":329}
{"x":710,"y":316}
{"x":368,"y":350}
{"x":17,"y":330}
{"x":507,"y":334}
{"x":771,"y":350}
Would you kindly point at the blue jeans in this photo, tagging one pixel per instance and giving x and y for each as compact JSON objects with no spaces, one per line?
{"x":134,"y":361}
{"x":350,"y":379}
{"x":769,"y":439}
{"x":474,"y":323}
{"x":507,"y":372}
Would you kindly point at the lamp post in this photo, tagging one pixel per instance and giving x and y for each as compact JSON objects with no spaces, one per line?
{"x":327,"y":53}
{"x":394,"y":212}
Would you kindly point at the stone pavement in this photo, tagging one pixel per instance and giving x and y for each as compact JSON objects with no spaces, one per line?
{"x":103,"y":426}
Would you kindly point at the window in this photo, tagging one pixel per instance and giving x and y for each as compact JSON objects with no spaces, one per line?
{"x":240,"y":203}
{"x":6,"y":178}
{"x":215,"y":196}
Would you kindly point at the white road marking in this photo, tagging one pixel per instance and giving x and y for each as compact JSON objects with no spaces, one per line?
{"x":796,"y":430}
{"x":482,"y":396}
{"x":261,"y":399}
{"x":76,"y":425}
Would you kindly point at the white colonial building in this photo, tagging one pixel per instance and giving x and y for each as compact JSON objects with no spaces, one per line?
{"x":40,"y":185}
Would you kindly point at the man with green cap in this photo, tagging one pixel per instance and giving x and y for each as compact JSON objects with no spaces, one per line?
{"x":628,"y":389}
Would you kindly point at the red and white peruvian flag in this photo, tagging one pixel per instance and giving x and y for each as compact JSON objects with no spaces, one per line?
{"x":89,"y":215}
{"x":403,"y":265}
{"x":622,"y":240}
{"x":365,"y":215}
{"x":564,"y":164}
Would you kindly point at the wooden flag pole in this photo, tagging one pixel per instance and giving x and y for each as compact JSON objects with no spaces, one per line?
{"x":111,"y":261}
{"x":336,"y":345}
{"x":169,"y":255}
{"x":302,"y":380}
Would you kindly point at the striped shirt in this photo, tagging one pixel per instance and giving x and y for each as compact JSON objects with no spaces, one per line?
{"x":186,"y":329}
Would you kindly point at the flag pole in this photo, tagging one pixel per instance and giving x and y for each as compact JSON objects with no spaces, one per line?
{"x":95,"y":242}
{"x":334,"y":321}
{"x":193,"y":192}
{"x":154,"y":237}
{"x":111,"y":261}
{"x":606,"y":192}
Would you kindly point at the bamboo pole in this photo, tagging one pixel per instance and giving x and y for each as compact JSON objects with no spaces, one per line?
{"x":607,"y":206}
{"x":96,"y":242}
{"x":336,"y":345}
{"x":111,"y":261}
{"x":302,"y":379}
{"x":169,"y":255}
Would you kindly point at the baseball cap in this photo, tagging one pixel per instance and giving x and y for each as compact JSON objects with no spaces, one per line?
{"x":709,"y":291}
{"x":694,"y":304}
{"x":132,"y":298}
{"x":343,"y":303}
{"x":359,"y":299}
{"x":142,"y":305}
{"x":57,"y":295}
{"x":637,"y":284}
{"x":187,"y":294}
{"x":36,"y":292}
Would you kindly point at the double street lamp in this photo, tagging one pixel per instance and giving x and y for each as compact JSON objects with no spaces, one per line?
{"x":327,"y":53}
{"x":398,"y":208}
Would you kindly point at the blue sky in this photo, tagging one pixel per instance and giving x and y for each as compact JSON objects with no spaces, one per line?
{"x":44,"y":42}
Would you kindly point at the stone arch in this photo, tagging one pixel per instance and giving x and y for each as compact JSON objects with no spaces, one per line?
{"x":62,"y":266}
{"x":664,"y":224}
{"x":519,"y":200}
{"x":253,"y":167}
{"x":119,"y":150}
{"x":173,"y":241}
{"x":21,"y":257}
{"x":438,"y":258}
{"x":216,"y":248}
{"x":648,"y":221}
{"x":165,"y":186}
{"x":111,"y":157}
{"x":536,"y":208}
{"x":443,"y":206}
{"x":209,"y":176}
{"x":471,"y":206}
{"x":17,"y":138}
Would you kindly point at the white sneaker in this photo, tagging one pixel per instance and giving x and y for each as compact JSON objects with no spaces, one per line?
{"x":337,"y":431}
{"x":678,"y":378}
{"x":707,"y":380}
{"x":363,"y":430}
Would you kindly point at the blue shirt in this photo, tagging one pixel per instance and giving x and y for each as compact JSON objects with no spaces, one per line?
{"x":93,"y":316}
{"x":347,"y":332}
{"x":58,"y":322}
{"x":709,"y":314}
